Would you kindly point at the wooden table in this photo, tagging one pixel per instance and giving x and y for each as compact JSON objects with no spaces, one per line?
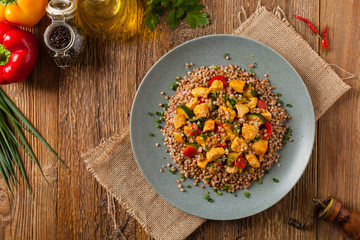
{"x":75,"y":108}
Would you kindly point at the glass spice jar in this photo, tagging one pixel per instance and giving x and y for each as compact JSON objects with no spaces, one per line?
{"x":63,"y":38}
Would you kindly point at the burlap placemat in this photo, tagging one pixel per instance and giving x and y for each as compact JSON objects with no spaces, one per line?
{"x":113,"y":163}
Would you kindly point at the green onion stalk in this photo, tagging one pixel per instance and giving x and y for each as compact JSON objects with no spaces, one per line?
{"x":12,"y":138}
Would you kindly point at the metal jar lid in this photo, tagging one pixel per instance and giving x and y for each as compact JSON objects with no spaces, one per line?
{"x":61,"y":9}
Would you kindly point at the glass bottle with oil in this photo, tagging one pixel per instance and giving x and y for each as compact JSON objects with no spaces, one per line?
{"x":109,"y":19}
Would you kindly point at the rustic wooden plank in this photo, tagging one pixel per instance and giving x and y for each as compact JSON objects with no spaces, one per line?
{"x":38,"y":100}
{"x":338,"y":154}
{"x":81,"y":113}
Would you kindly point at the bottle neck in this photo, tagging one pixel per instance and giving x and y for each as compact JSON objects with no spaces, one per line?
{"x":94,"y":1}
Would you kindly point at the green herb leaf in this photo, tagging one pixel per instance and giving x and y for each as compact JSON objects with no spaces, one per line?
{"x":247,"y":194}
{"x":191,"y":10}
{"x":275,"y":180}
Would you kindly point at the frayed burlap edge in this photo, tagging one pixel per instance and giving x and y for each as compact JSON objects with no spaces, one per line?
{"x":279,"y":14}
{"x":91,"y":163}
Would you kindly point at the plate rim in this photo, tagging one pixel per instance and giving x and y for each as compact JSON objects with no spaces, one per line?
{"x":313,"y":122}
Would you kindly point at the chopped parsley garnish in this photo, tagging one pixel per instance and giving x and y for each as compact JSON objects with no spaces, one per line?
{"x":150,"y":114}
{"x":215,"y":67}
{"x":266,"y":171}
{"x":203,"y":136}
{"x":174,"y":86}
{"x":275,"y":180}
{"x":158,"y":120}
{"x":173,"y":172}
{"x":207,"y":179}
{"x":288,"y":105}
{"x":283,"y":142}
{"x":158,"y":126}
{"x":225,"y":187}
{"x":247,"y":194}
{"x":252,"y":70}
{"x":158,"y":113}
{"x":214,"y":94}
{"x":208,"y":198}
{"x":219,"y":192}
{"x":278,"y":94}
{"x":151,"y":134}
{"x":226,"y":55}
{"x":165,"y":106}
{"x":188,"y":186}
{"x":182,"y":176}
{"x":210,"y":165}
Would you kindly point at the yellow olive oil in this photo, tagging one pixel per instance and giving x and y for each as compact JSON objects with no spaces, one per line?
{"x":109,"y":19}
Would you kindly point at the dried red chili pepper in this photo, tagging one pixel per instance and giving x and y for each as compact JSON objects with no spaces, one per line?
{"x":324,"y":41}
{"x":312,"y":26}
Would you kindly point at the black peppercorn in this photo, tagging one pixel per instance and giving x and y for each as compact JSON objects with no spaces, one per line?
{"x":60,"y":37}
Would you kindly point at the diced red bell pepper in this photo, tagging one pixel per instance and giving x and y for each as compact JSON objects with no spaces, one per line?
{"x":202,"y":100}
{"x":241,"y":162}
{"x":221,"y":78}
{"x":261,"y":104}
{"x":220,"y":128}
{"x":195,"y":130}
{"x":190,"y":152}
{"x":268,"y":130}
{"x":221,"y":145}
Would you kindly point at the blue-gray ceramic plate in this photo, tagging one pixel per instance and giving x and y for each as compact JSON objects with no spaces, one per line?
{"x":206,"y":51}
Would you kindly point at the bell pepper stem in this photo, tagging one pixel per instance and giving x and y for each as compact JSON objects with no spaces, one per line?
{"x":4,"y":55}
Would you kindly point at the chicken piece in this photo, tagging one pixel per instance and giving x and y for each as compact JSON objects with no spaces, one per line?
{"x":178,"y":137}
{"x":200,"y":140}
{"x":252,"y":102}
{"x":187,"y":130}
{"x":267,"y":115}
{"x":237,"y":85}
{"x":216,"y":85}
{"x":192,"y":104}
{"x":202,"y":164}
{"x":253,"y":161}
{"x":214,"y":153}
{"x":242,"y":109}
{"x":209,"y":125}
{"x":229,"y":113}
{"x":202,"y":110}
{"x":239,"y":145}
{"x":249,"y":132}
{"x":179,"y":121}
{"x":233,"y":169}
{"x":230,"y":135}
{"x":200,"y":92}
{"x":260,"y":147}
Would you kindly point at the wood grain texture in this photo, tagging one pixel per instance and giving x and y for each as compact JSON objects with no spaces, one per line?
{"x":75,"y":108}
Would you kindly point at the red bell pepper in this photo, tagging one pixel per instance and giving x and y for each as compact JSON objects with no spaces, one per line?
{"x":241,"y":162}
{"x":202,"y":100}
{"x":221,"y":78}
{"x":220,"y":128}
{"x":268,"y":130}
{"x":195,"y":130}
{"x":261,"y":104}
{"x":18,"y":53}
{"x":189,"y":152}
{"x":221,"y":145}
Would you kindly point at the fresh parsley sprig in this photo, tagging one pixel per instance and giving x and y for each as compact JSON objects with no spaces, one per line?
{"x":191,"y":10}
